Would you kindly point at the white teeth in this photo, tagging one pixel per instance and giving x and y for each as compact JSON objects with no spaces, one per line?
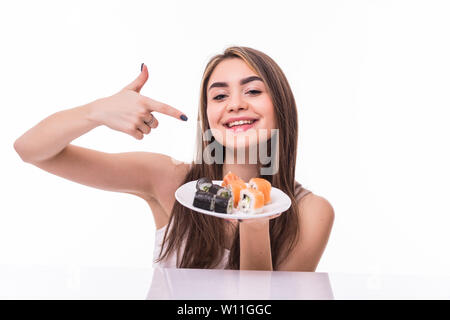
{"x":240,"y":122}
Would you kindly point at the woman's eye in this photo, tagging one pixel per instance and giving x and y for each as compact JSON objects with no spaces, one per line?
{"x":217,"y":97}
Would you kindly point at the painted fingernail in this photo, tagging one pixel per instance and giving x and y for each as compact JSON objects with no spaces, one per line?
{"x":183,"y":117}
{"x":142,"y":65}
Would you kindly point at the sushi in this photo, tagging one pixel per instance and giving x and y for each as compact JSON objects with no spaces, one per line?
{"x":232,"y":193}
{"x":220,"y":191}
{"x":262,"y":185}
{"x":230,"y":177}
{"x":204,"y":200}
{"x":251,"y":201}
{"x":235,"y":187}
{"x":223,"y":204}
{"x":212,"y":202}
{"x":203,"y":184}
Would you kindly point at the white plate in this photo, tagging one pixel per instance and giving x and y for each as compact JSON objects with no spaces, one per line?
{"x":280,"y":203}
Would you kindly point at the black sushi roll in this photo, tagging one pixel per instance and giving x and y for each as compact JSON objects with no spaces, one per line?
{"x":204,"y":184}
{"x":222,"y":204}
{"x":204,"y":200}
{"x":220,"y":191}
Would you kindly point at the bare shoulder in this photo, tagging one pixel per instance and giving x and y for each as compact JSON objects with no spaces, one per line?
{"x":313,"y":206}
{"x":316,"y":218}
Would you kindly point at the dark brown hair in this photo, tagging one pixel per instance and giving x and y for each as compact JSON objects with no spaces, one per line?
{"x":204,"y":235}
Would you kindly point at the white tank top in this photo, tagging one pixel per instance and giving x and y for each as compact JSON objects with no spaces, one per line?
{"x":171,"y":261}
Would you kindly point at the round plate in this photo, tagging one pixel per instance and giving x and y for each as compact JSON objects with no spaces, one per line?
{"x":280,"y":203}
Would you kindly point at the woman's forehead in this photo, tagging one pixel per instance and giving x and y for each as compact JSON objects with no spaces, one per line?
{"x":231,"y":70}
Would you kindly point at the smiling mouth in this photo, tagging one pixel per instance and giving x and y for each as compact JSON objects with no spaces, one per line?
{"x":241,"y":125}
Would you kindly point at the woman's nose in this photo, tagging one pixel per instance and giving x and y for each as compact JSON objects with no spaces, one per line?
{"x":236,"y":104}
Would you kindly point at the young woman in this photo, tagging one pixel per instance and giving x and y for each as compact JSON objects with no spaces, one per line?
{"x":241,"y":83}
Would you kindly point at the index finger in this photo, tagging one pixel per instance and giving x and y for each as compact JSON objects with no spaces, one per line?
{"x":161,"y":107}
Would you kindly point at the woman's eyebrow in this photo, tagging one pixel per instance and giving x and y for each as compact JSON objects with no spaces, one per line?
{"x":242,"y":82}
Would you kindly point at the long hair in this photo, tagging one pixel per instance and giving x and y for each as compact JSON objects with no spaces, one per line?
{"x":202,"y":236}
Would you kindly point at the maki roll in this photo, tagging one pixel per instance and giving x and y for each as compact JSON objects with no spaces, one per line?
{"x":223,"y":204}
{"x":212,"y":202}
{"x":220,"y":191}
{"x":204,"y":184}
{"x":262,"y":185}
{"x":204,"y":200}
{"x":251,"y":201}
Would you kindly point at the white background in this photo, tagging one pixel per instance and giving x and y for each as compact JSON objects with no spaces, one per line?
{"x":371,"y":81}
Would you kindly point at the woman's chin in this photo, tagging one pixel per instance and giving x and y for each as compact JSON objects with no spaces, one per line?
{"x":243,"y":139}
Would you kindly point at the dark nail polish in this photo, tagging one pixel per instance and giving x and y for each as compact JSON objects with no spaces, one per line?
{"x":142,"y":65}
{"x":183,"y":117}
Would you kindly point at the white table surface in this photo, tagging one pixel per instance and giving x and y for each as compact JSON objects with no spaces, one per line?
{"x":74,"y":282}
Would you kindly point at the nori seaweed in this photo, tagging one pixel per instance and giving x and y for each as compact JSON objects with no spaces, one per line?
{"x":204,"y":200}
{"x":221,"y":204}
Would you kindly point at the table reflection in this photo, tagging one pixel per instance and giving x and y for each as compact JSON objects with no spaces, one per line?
{"x":175,"y":283}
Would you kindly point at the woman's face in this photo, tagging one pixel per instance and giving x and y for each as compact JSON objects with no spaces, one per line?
{"x":238,"y":105}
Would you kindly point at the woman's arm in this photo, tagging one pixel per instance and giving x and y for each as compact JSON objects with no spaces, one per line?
{"x":255,"y":252}
{"x":51,"y":135}
{"x":47,"y":144}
